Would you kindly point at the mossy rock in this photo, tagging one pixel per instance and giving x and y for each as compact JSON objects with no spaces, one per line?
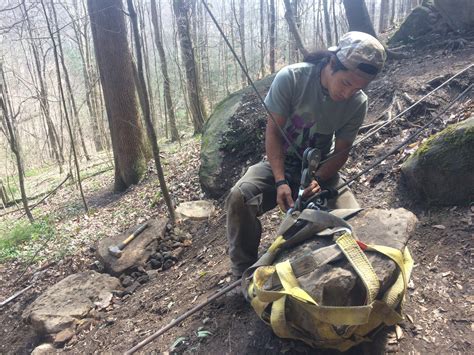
{"x":233,"y":139}
{"x":417,"y":24}
{"x":441,"y":171}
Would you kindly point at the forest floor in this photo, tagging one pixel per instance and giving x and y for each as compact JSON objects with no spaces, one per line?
{"x":440,"y":304}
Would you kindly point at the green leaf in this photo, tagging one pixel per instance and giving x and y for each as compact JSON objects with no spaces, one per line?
{"x":178,"y":342}
{"x":203,"y":333}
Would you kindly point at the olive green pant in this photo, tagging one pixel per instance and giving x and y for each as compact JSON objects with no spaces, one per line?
{"x":255,"y":194}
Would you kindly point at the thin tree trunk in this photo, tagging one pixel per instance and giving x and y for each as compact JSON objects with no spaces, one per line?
{"x":290,"y":18}
{"x":241,"y":29}
{"x":14,"y":145}
{"x":384,"y":7}
{"x":262,"y":34}
{"x":164,"y":71}
{"x":61,"y":91}
{"x":146,"y":61}
{"x":194,"y":89}
{"x":43,"y":94}
{"x":272,"y":36}
{"x":327,"y":23}
{"x":336,"y":37}
{"x":143,"y":94}
{"x":392,"y":18}
{"x":72,"y":99}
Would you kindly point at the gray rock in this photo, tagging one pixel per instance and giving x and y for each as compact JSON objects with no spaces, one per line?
{"x":337,"y":284}
{"x":233,"y":138}
{"x":136,"y":253}
{"x":418,"y":23}
{"x":71,"y":299}
{"x":441,"y":171}
{"x":63,"y":336}
{"x":44,"y":349}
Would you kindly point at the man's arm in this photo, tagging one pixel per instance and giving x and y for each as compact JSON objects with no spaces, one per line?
{"x":331,"y":167}
{"x":336,"y":160}
{"x":276,"y":158}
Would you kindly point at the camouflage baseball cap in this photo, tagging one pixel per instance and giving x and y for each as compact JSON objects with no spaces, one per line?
{"x":361,"y":53}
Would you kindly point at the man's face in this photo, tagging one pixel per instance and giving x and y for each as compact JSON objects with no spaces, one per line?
{"x":343,"y":84}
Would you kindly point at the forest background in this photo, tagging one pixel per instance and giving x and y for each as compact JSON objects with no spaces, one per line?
{"x":31,"y":82}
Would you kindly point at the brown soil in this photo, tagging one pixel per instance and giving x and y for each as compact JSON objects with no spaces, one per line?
{"x":440,"y":303}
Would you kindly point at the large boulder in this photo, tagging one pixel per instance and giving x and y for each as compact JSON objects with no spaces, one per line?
{"x":337,"y":284}
{"x":441,"y":171}
{"x":435,"y":16}
{"x":233,"y":139}
{"x":422,"y":20}
{"x":459,"y":14}
{"x":71,"y":299}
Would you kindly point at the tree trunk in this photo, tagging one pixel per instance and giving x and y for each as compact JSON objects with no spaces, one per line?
{"x":198,"y":113}
{"x":262,"y":38}
{"x":290,"y":18}
{"x":109,"y":33}
{"x":327,"y":23}
{"x":143,"y":94}
{"x":72,"y":99}
{"x":336,"y":37}
{"x":164,"y":71}
{"x":146,"y":61}
{"x":89,"y":87}
{"x":43,"y":93}
{"x":58,"y":71}
{"x":384,"y":7}
{"x":241,"y":29}
{"x":393,"y":11}
{"x":14,"y":146}
{"x":358,"y":16}
{"x":272,"y":36}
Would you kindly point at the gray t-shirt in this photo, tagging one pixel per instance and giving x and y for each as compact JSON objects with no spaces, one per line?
{"x":313,"y":118}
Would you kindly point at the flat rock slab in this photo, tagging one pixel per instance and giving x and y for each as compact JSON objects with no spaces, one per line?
{"x":337,"y":284}
{"x":196,"y":210}
{"x":71,"y":299}
{"x":137,"y":252}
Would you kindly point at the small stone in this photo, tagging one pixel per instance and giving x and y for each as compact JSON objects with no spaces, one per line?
{"x":135,"y":275}
{"x":155,"y":264}
{"x":127,"y":281}
{"x":110,"y":320}
{"x":143,"y":279}
{"x":44,"y":349}
{"x":152,"y":274}
{"x":206,"y":320}
{"x":63,"y":336}
{"x":132,"y":288}
{"x":167,"y":264}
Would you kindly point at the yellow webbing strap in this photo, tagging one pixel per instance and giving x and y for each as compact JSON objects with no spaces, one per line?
{"x":354,"y":315}
{"x":361,"y":265}
{"x":366,"y":317}
{"x":404,"y":262}
{"x":277,"y":243}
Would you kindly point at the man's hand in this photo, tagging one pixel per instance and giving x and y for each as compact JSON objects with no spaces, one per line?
{"x":284,"y":199}
{"x":312,"y":189}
